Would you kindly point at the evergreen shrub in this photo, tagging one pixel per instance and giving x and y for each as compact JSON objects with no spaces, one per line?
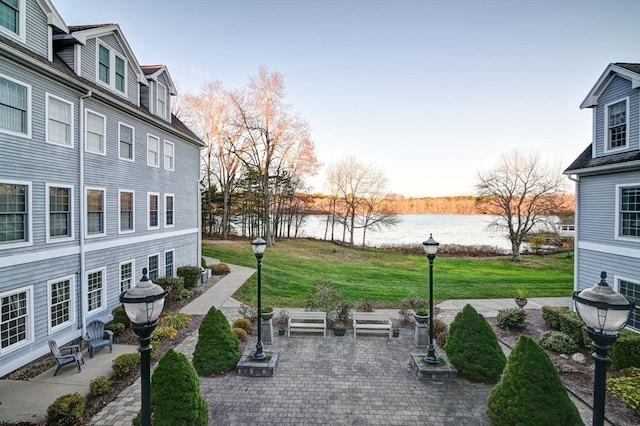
{"x":174,"y":285}
{"x":472,"y":346}
{"x":124,"y":364}
{"x":511,"y":318}
{"x":572,"y":324}
{"x":67,"y":410}
{"x":627,"y":386}
{"x":552,"y":315}
{"x":119,"y":315}
{"x":190,"y":274}
{"x":559,"y":342}
{"x":243,"y":323}
{"x":99,"y":385}
{"x":218,"y":348}
{"x":530,"y":391}
{"x":241,"y":334}
{"x":175,"y":393}
{"x":116,"y":327}
{"x":626,"y":350}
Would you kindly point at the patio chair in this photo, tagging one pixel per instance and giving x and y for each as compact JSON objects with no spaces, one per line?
{"x":95,"y":337}
{"x":75,"y":355}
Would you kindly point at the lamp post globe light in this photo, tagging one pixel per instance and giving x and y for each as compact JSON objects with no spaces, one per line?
{"x":431,"y":248}
{"x":604,"y":312}
{"x":259,"y":246}
{"x":143,"y":304}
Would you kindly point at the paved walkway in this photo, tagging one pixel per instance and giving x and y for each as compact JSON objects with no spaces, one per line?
{"x":332,"y":380}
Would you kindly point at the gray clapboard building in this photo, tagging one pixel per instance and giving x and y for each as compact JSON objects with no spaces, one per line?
{"x":98,"y":179}
{"x":607,"y":176}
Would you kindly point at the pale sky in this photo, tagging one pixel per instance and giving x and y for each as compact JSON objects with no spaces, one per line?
{"x":430,"y":92}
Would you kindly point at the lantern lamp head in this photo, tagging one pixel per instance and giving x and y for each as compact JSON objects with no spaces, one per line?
{"x":259,"y":246}
{"x":143,"y":303}
{"x":430,"y":246}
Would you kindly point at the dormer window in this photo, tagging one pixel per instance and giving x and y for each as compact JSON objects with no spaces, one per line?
{"x":111,"y":68}
{"x":162,"y":100}
{"x":12,"y":17}
{"x":616,"y":117}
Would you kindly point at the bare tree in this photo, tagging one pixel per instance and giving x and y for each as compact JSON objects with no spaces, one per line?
{"x":523,"y":192}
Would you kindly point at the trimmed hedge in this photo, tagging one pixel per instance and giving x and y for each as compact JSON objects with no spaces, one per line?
{"x":559,"y":342}
{"x":511,"y":318}
{"x":125,"y":364}
{"x":561,"y":318}
{"x":67,"y":410}
{"x":218,"y":348}
{"x":472,"y":346}
{"x":626,"y":350}
{"x":190,"y":274}
{"x":530,"y":391}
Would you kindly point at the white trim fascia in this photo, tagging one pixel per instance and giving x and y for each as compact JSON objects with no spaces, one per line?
{"x":30,"y":216}
{"x":610,"y":249}
{"x":606,"y":149}
{"x":594,"y":132}
{"x":30,"y":314}
{"x":72,"y":304}
{"x":26,"y":135}
{"x":53,"y":17}
{"x":48,"y":238}
{"x":46,"y":119}
{"x":48,"y":253}
{"x":104,"y":212}
{"x":606,"y":77}
{"x":133,"y":143}
{"x":133,"y":212}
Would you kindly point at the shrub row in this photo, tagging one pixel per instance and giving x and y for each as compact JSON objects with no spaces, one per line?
{"x":562,"y":319}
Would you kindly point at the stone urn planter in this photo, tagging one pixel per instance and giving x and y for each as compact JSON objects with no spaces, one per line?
{"x":267,"y":313}
{"x":421,"y":317}
{"x":521,"y":302}
{"x":396,"y":332}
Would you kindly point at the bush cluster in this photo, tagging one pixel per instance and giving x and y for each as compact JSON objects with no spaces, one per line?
{"x":511,"y":318}
{"x":67,"y":410}
{"x":626,"y":350}
{"x":627,"y":386}
{"x":175,"y":393}
{"x":119,"y":315}
{"x":438,"y":327}
{"x":367,"y":305}
{"x":177,"y":320}
{"x":175,"y":286}
{"x":530,"y":391}
{"x":324,"y":297}
{"x":552,"y":315}
{"x":220,"y":269}
{"x":218,"y":348}
{"x":241,"y":333}
{"x":243,"y":323}
{"x":561,"y":318}
{"x":116,"y":327}
{"x":472,"y":346}
{"x":125,"y":364}
{"x":164,"y":333}
{"x":190,"y":274}
{"x":559,"y":342}
{"x":99,"y":385}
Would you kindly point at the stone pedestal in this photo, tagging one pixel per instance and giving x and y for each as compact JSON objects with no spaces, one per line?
{"x":247,"y":367}
{"x":421,"y":336}
{"x":267,"y":331}
{"x":438,"y":372}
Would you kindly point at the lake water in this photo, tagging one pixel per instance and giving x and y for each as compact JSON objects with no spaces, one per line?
{"x":464,"y":229}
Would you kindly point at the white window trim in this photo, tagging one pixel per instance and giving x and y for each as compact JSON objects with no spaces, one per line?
{"x":47,"y":212}
{"x":161,"y":113}
{"x":103,"y":291}
{"x":22,"y":22}
{"x":86,"y":211}
{"x":173,"y":156}
{"x":104,"y":132}
{"x":157,"y":139}
{"x":29,"y":241}
{"x":133,"y":200}
{"x":72,"y":303}
{"x":133,"y":273}
{"x":112,"y":68}
{"x":71,"y":131}
{"x":616,"y":230}
{"x":149,"y":195}
{"x":29,"y":109}
{"x":133,"y":142}
{"x":159,"y":264}
{"x":165,"y":211}
{"x":164,"y":261}
{"x":627,"y":124}
{"x":616,"y":286}
{"x":30,"y":322}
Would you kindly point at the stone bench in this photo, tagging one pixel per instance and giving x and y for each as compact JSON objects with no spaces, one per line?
{"x":371,"y":321}
{"x":307,"y":321}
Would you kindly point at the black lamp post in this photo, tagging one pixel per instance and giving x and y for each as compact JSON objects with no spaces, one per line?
{"x":431,"y":248}
{"x":259,"y":246}
{"x":143,"y":304}
{"x":604,"y":312}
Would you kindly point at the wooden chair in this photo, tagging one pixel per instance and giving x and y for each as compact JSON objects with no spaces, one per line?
{"x":95,"y":337}
{"x":74,"y":356}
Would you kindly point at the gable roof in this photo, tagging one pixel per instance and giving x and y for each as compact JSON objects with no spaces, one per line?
{"x":630,"y":71}
{"x":153,"y":71}
{"x":84,"y":32}
{"x":53,"y":17}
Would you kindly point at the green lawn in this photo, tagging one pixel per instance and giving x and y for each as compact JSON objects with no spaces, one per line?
{"x":290,"y":268}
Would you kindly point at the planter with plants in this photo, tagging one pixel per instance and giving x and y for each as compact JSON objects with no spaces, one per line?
{"x":421,"y":315}
{"x":282,"y":321}
{"x":267,"y":313}
{"x":521,"y":298}
{"x":341,"y":318}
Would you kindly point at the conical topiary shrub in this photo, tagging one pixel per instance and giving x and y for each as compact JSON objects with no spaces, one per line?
{"x":530,"y":391}
{"x":175,"y":393}
{"x":472,"y":346}
{"x":218,"y":349}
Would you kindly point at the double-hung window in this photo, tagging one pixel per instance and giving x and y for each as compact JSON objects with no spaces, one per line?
{"x":616,"y":120}
{"x":96,"y":290}
{"x":95,"y":202}
{"x":61,"y":305}
{"x":15,"y":107}
{"x":59,"y":212}
{"x":12,"y":17}
{"x":16,"y":318}
{"x":104,"y":64}
{"x":628,"y":218}
{"x":15,"y":213}
{"x":168,"y":263}
{"x":126,"y":275}
{"x":112,"y":68}
{"x":162,"y":100}
{"x":95,"y":133}
{"x":153,"y":263}
{"x":120,"y":74}
{"x":59,"y":121}
{"x":169,"y":155}
{"x":631,"y":291}
{"x":153,"y":210}
{"x":127,"y":204}
{"x":126,"y":138}
{"x":153,"y":151}
{"x":168,"y":210}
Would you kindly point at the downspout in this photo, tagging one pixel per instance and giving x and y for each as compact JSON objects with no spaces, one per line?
{"x":81,"y":142}
{"x":575,"y":232}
